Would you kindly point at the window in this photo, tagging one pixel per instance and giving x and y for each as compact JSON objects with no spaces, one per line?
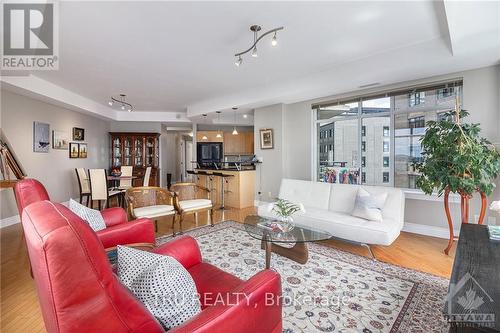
{"x":445,"y":92}
{"x":385,"y":177}
{"x":416,"y":98}
{"x":378,"y":138}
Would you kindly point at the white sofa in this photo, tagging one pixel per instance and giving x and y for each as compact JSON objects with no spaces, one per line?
{"x":328,"y":207}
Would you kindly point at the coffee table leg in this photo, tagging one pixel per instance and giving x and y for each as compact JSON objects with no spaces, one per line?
{"x":268,"y":246}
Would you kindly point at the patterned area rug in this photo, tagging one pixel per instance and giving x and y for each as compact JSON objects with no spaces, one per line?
{"x":335,"y":291}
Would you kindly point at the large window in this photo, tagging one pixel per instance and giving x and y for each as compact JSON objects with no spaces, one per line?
{"x":376,"y":139}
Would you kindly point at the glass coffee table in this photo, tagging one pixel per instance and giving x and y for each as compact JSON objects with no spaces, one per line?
{"x":271,"y":240}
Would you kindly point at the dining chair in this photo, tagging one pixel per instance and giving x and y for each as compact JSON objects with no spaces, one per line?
{"x":147,"y":175}
{"x":99,"y":188}
{"x":127,"y":171}
{"x":83,"y":184}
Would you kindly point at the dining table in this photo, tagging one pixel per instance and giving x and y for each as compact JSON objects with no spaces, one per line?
{"x":115,"y":180}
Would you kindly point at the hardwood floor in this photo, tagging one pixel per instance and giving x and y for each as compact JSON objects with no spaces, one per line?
{"x":20,"y":311}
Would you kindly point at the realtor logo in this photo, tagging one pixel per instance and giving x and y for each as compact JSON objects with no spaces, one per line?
{"x":30,"y":36}
{"x":473,"y":306}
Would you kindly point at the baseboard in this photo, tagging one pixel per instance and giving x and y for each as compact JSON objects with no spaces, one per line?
{"x":8,"y":221}
{"x":428,"y":230}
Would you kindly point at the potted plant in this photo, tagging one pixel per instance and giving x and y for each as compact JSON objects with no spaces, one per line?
{"x":285,"y":209}
{"x":457,"y":159}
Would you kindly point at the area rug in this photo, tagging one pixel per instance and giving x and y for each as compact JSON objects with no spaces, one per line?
{"x":335,"y":291}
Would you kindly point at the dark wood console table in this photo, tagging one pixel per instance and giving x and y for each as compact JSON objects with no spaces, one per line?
{"x":473,"y":303}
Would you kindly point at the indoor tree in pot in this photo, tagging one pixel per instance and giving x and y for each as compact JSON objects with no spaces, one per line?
{"x":457,"y":160}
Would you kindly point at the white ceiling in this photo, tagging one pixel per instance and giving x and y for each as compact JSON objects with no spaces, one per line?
{"x":176,"y":57}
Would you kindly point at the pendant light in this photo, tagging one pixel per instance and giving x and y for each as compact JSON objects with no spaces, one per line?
{"x":219,"y":135}
{"x":235,"y":132}
{"x":204,"y":137}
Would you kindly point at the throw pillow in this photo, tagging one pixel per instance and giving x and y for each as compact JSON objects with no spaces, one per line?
{"x":91,"y":216}
{"x":161,"y":283}
{"x":369,"y":206}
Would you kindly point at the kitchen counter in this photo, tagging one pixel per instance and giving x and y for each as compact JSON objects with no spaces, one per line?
{"x":239,"y":189}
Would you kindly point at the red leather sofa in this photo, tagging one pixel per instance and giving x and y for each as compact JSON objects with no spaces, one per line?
{"x":79,"y":293}
{"x":118,"y":230}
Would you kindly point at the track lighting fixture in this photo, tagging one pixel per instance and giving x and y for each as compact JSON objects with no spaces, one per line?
{"x":256,"y":39}
{"x":121,"y":102}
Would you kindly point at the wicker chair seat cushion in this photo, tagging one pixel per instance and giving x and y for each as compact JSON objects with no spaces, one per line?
{"x":154,"y":211}
{"x":187,"y":205}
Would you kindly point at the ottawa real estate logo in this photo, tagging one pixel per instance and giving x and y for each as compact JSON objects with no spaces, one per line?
{"x":30,"y":35}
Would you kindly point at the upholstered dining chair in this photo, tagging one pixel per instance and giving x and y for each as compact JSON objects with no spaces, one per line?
{"x":83,"y":184}
{"x":150,"y":202}
{"x":99,"y":188}
{"x":126,"y":171}
{"x":191,"y":198}
{"x":147,"y":175}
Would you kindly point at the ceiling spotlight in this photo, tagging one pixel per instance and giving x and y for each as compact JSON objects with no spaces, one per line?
{"x":120,"y":101}
{"x":254,"y":52}
{"x":253,"y":49}
{"x":238,"y":61}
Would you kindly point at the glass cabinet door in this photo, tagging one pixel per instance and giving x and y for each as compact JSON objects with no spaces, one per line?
{"x":150,"y":151}
{"x":127,"y":151}
{"x":117,"y":152}
{"x":138,"y":152}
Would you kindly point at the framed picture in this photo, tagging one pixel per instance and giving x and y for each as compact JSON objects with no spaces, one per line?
{"x":73,"y":150}
{"x":266,"y":139}
{"x":82,"y":150}
{"x":78,"y":134}
{"x":60,"y":140}
{"x":41,"y":137}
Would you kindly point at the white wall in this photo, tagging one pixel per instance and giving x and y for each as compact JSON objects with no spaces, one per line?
{"x":54,"y":169}
{"x":293,"y":122}
{"x":270,"y":172}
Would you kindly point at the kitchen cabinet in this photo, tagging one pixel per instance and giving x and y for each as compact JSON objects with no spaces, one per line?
{"x":241,"y":144}
{"x":211,"y":136}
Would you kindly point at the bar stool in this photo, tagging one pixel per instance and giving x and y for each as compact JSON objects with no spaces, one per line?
{"x":192,"y":173}
{"x":223,"y":179}
{"x":208,"y":180}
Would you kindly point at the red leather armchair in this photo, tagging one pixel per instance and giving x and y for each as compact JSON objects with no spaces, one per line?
{"x":118,"y":232}
{"x":79,"y":293}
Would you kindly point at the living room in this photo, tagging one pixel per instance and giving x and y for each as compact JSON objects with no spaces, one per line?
{"x":250,"y":166}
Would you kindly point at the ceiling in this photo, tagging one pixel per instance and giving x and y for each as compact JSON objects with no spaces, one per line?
{"x":175,"y":60}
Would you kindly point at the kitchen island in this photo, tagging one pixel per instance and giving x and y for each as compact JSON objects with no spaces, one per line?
{"x":239,"y":187}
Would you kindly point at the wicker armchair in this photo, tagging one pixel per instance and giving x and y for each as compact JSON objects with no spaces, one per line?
{"x":150,"y":202}
{"x":191,"y":198}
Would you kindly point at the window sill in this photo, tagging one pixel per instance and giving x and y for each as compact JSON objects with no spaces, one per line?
{"x":419,"y":195}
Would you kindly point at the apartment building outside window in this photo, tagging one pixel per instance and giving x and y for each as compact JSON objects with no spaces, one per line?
{"x":377,"y":139}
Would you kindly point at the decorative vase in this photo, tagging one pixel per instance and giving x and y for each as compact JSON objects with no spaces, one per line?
{"x":286,"y":223}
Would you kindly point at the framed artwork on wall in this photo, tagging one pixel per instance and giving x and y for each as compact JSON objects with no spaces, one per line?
{"x":82,"y":150}
{"x":60,"y":140}
{"x":74,"y":150}
{"x":78,"y":134}
{"x":41,"y":137}
{"x":266,"y":138}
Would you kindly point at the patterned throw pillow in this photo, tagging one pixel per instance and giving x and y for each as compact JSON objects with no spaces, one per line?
{"x":369,"y":206}
{"x":161,"y":283}
{"x":91,"y":216}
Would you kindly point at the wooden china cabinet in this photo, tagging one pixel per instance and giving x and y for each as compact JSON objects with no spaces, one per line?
{"x":140,"y":150}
